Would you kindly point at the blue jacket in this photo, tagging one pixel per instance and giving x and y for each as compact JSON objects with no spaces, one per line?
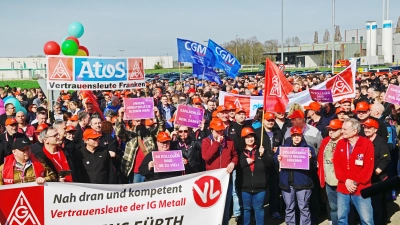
{"x":111,"y":107}
{"x":298,"y":179}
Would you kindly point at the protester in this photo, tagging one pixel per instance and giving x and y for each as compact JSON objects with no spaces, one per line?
{"x":22,"y":167}
{"x":296,"y":184}
{"x":254,"y":166}
{"x":353,"y":162}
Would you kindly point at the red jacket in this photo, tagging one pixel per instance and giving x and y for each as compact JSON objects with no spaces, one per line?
{"x":321,"y":172}
{"x":30,"y":131}
{"x":213,"y":157}
{"x":347,"y":169}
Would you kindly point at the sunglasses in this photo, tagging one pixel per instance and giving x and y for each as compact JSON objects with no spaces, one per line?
{"x":183,"y":131}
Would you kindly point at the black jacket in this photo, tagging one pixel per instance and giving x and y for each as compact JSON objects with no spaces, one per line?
{"x":382,"y":158}
{"x":285,"y":126}
{"x":277,"y":141}
{"x":321,"y":125}
{"x":191,"y":150}
{"x":253,"y":181}
{"x":234,"y":133}
{"x":95,"y":168}
{"x":6,"y":142}
{"x":150,"y":175}
{"x":78,"y":138}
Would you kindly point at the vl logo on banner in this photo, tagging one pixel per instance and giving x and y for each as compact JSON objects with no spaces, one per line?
{"x":94,"y":73}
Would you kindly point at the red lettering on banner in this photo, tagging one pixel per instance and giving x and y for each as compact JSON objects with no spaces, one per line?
{"x":240,"y":102}
{"x":25,"y":206}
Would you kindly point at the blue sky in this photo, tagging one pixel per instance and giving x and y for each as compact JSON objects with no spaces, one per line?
{"x":150,"y":27}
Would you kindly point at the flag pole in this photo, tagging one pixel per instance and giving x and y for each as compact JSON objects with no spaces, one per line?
{"x":180,"y":75}
{"x":262,"y":130}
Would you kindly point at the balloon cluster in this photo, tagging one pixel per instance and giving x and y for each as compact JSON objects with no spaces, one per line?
{"x":14,"y":101}
{"x":70,"y":45}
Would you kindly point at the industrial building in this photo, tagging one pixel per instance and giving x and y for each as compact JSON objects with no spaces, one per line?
{"x":28,"y":68}
{"x":372,"y":45}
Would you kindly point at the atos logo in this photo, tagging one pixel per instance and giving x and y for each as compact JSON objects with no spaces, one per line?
{"x":96,"y":69}
{"x":207,"y":191}
{"x":228,"y":58}
{"x":198,"y":48}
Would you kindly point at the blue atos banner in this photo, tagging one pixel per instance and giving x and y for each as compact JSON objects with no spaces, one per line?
{"x":94,"y":73}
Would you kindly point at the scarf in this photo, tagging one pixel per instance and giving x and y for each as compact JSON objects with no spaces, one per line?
{"x":250,"y":154}
{"x":9,"y":164}
{"x":61,"y":163}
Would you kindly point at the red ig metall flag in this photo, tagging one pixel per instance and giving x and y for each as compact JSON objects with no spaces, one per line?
{"x":276,"y":88}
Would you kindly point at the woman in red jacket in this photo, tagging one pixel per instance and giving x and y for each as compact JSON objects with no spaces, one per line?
{"x":218,"y":152}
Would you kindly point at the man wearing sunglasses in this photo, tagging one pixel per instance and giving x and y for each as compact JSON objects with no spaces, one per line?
{"x":191,"y":150}
{"x":22,"y":167}
{"x":93,"y":162}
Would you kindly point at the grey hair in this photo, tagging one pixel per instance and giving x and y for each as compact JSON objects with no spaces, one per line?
{"x":58,"y":123}
{"x":355,"y":124}
{"x":43,"y":133}
{"x":110,"y":113}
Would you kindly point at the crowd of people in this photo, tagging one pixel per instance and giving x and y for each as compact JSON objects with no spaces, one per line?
{"x":352,"y":144}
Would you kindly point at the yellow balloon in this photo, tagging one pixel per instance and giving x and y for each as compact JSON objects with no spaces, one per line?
{"x":81,"y":53}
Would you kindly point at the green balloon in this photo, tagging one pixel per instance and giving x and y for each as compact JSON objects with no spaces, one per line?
{"x":69,"y":47}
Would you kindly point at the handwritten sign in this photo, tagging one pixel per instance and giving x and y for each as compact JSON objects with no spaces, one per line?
{"x":167,"y":161}
{"x":138,"y":108}
{"x":295,"y":158}
{"x":189,"y":116}
{"x":393,"y":94}
{"x":321,"y":95}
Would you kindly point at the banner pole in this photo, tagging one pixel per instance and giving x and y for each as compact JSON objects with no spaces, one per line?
{"x":48,"y":104}
{"x":262,"y":130}
{"x":180,"y":75}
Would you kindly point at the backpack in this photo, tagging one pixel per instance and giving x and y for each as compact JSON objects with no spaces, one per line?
{"x":392,"y":138}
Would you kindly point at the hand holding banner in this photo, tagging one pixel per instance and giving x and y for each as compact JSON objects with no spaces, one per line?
{"x":138,"y":108}
{"x":168,"y":161}
{"x":295,"y":158}
{"x":189,"y":116}
{"x":324,"y":96}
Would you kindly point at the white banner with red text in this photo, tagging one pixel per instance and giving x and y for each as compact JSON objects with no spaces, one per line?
{"x":187,"y":200}
{"x":341,"y":85}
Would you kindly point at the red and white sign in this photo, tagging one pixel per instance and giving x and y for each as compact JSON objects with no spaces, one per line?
{"x":193,"y":199}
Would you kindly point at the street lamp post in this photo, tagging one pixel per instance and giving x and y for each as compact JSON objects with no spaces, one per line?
{"x":236,"y":46}
{"x":369,"y":22}
{"x":282,"y":61}
{"x":333,"y":37}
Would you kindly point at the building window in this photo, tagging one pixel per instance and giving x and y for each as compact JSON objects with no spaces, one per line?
{"x":361,"y":39}
{"x":353,"y":40}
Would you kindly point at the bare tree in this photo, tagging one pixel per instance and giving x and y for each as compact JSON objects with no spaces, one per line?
{"x":338,"y":36}
{"x":327,"y":36}
{"x":316,"y":37}
{"x":296,"y":41}
{"x":398,"y":25}
{"x":287,"y":42}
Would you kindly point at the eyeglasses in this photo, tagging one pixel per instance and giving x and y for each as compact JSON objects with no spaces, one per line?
{"x":183,"y":131}
{"x":12,"y":108}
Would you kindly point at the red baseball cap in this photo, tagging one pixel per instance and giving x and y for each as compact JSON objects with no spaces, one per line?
{"x":163,"y":137}
{"x":313,"y":106}
{"x":217,"y":124}
{"x":371,"y":123}
{"x":335,"y":124}
{"x":296,"y":114}
{"x":41,"y":127}
{"x":339,"y":110}
{"x":269,"y":116}
{"x":11,"y":121}
{"x":90,"y":134}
